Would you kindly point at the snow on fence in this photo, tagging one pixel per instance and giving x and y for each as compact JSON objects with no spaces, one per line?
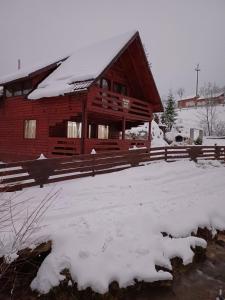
{"x":18,"y":175}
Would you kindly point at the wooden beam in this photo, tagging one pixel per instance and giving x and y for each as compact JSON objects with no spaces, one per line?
{"x":123,"y":128}
{"x":149,"y":133}
{"x":84,"y":125}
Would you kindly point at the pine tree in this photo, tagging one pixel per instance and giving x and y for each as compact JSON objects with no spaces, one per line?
{"x":170,"y":111}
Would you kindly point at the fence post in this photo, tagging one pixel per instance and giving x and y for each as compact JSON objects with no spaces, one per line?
{"x":166,"y":154}
{"x":217,"y":152}
{"x":93,"y":152}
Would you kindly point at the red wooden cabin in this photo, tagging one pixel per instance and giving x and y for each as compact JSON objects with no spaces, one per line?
{"x":84,"y":101}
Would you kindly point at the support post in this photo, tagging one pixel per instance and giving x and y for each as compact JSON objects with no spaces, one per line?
{"x":166,"y":153}
{"x":123,"y":128}
{"x":84,"y":126}
{"x":149,"y":135}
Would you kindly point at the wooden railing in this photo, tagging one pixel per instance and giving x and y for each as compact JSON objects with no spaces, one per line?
{"x":64,"y":146}
{"x":114,"y":144}
{"x":18,"y":175}
{"x":102,"y":100}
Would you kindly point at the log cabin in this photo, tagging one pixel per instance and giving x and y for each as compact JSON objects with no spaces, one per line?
{"x":80,"y":102}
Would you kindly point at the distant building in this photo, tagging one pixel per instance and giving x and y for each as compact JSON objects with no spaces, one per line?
{"x":217,"y":99}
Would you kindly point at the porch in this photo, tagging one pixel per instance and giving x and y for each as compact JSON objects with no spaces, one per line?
{"x":101,"y":125}
{"x":73,"y":146}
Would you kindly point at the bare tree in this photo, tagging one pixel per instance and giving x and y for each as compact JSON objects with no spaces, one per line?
{"x":18,"y":223}
{"x":220,"y":128}
{"x":208,"y":117}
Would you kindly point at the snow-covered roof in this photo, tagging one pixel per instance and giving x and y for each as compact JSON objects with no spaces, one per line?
{"x":214,"y":95}
{"x":201,"y":97}
{"x":76,"y":71}
{"x":84,"y":64}
{"x":25,"y":72}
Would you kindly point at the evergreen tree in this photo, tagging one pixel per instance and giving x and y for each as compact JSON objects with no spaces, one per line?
{"x":170,"y":111}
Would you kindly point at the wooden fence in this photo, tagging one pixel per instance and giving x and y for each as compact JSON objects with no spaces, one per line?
{"x":18,"y":175}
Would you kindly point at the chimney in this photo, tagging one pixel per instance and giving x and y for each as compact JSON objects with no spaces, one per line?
{"x":19,"y":64}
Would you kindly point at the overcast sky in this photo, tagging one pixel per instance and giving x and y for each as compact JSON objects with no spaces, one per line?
{"x":177,"y":34}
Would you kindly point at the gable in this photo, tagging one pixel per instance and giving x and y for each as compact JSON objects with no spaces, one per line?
{"x":131,"y":67}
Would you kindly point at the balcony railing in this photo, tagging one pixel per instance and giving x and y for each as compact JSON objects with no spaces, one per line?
{"x":105,"y":101}
{"x":113,"y":144}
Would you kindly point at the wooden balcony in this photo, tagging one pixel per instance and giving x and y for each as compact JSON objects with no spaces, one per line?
{"x":114,"y":104}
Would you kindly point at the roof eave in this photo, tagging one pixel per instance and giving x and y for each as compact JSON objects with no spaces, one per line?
{"x":35,"y":73}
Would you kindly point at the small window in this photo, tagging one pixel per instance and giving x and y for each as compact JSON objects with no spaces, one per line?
{"x":9,"y":91}
{"x":105,"y":84}
{"x":103,"y":131}
{"x":30,"y":129}
{"x":74,"y":129}
{"x":17,"y":88}
{"x":27,"y":87}
{"x":120,"y":88}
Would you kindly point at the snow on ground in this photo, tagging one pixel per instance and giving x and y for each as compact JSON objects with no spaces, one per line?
{"x":211,"y":141}
{"x":109,"y":227}
{"x":191,"y":117}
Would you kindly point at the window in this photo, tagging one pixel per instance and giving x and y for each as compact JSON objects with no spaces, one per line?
{"x":103,"y":131}
{"x":9,"y":91}
{"x":27,"y":87}
{"x":19,"y":88}
{"x":74,"y":129}
{"x":120,"y":88}
{"x":30,"y":129}
{"x":105,"y":84}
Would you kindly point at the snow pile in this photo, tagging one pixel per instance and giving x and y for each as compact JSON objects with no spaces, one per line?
{"x":157,"y":136}
{"x":141,"y":132}
{"x":84,"y":64}
{"x":110,"y":227}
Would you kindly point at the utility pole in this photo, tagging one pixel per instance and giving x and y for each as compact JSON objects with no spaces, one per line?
{"x":197,"y":69}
